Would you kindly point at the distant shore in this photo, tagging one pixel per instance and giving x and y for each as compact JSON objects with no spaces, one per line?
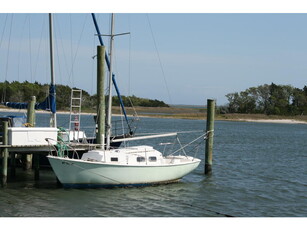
{"x":282,"y":121}
{"x":193,"y":114}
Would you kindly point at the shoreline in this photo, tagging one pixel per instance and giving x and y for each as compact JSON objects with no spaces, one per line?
{"x":277,"y":121}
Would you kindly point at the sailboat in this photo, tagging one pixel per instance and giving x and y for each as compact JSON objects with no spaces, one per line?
{"x":126,"y":166}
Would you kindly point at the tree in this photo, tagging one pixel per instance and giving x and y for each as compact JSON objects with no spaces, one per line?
{"x":22,"y":92}
{"x":269,"y":99}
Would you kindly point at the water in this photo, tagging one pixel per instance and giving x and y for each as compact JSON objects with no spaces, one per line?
{"x":259,"y":170}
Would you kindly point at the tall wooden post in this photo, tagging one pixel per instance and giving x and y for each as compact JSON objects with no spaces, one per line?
{"x":100,"y":95}
{"x":5,"y":154}
{"x":210,"y":134}
{"x":31,"y":111}
{"x":31,"y":122}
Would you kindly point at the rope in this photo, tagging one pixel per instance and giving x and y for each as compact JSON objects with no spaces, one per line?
{"x":3,"y":30}
{"x":163,"y":74}
{"x":38,"y":53}
{"x":7,"y":58}
{"x":129,"y":64}
{"x":69,"y":70}
{"x":204,"y":136}
{"x":60,"y":147}
{"x":181,"y":146}
{"x":19,"y":49}
{"x":30,"y":49}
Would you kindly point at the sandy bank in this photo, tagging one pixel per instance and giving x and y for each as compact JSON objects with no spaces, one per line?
{"x":282,"y":121}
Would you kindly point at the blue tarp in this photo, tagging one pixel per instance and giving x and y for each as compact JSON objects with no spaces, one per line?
{"x":49,"y":104}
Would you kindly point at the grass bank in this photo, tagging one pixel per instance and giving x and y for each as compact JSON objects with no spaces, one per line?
{"x":200,"y":114}
{"x":191,"y":113}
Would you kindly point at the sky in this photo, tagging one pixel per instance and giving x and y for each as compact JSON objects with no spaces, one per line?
{"x":179,"y":57}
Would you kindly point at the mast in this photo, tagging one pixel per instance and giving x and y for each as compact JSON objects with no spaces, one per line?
{"x":109,"y":115}
{"x":52,"y":85}
{"x":113,"y":76}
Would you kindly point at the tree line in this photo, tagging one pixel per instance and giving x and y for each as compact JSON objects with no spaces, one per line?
{"x":21,"y":92}
{"x":269,"y":99}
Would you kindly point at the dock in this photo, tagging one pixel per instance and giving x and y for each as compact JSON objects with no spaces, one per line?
{"x":32,"y":155}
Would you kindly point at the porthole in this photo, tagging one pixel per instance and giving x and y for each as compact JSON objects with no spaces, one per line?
{"x":114,"y":158}
{"x":140,"y":159}
{"x":152,"y":159}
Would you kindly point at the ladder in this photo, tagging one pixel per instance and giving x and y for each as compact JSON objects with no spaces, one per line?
{"x":75,"y":113}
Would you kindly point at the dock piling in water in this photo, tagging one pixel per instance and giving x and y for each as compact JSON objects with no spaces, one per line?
{"x":100,"y":95}
{"x":31,"y":122}
{"x":5,"y":154}
{"x":210,"y":134}
{"x":31,"y":111}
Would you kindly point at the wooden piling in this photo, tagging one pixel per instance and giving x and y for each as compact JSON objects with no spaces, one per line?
{"x":31,"y":111}
{"x":210,"y":134}
{"x":100,"y":95}
{"x":5,"y":154}
{"x":31,"y":123}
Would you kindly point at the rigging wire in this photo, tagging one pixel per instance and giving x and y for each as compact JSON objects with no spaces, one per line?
{"x":19,"y":49}
{"x":122,"y":124}
{"x":2,"y":96}
{"x":71,"y":48}
{"x":74,"y":56}
{"x":3,"y":30}
{"x":158,"y":55}
{"x":30,"y":49}
{"x":39,"y":46}
{"x":7,"y":56}
{"x":93,"y":65}
{"x":78,"y":46}
{"x":129,"y":58}
{"x":57,"y":30}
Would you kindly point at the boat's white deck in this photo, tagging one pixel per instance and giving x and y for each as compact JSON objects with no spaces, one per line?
{"x":138,"y":155}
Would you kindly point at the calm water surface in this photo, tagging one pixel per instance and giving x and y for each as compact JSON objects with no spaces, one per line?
{"x":259,"y":170}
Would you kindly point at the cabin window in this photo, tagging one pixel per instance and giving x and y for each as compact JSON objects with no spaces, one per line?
{"x":114,"y":158}
{"x":152,"y":159}
{"x":140,"y":159}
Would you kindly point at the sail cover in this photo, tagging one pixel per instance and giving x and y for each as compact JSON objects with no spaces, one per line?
{"x":48,"y":104}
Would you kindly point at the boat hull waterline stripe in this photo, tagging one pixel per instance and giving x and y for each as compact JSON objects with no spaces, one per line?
{"x":118,"y":185}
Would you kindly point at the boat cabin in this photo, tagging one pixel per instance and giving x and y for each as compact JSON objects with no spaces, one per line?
{"x":132,"y":155}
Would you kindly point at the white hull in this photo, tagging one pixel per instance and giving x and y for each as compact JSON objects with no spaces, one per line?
{"x":80,"y":173}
